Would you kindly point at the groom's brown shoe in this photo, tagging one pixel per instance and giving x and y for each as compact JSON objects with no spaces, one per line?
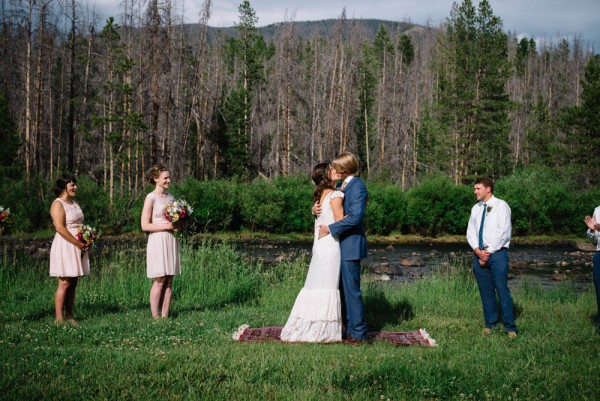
{"x":354,"y":341}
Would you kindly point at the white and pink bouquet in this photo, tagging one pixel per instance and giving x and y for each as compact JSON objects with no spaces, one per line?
{"x":5,"y":217}
{"x":178,"y":211}
{"x":87,"y":235}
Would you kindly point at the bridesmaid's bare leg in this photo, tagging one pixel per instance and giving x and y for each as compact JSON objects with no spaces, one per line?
{"x":156,"y":294}
{"x":167,"y":293}
{"x":70,"y":298}
{"x":59,"y":298}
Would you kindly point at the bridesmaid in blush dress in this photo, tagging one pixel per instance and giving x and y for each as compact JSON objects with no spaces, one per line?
{"x":68,"y":257}
{"x":162,"y":254}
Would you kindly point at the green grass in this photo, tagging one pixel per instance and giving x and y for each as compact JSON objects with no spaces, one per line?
{"x":117,"y":352}
{"x":257,"y":236}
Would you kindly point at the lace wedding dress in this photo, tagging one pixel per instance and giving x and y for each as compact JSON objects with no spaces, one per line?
{"x":316,"y":315}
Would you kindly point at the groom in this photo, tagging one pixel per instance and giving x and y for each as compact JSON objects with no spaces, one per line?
{"x":353,"y":243}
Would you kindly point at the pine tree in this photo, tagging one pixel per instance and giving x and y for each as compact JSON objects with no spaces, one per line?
{"x":246,"y":55}
{"x":10,"y":141}
{"x":471,"y":113}
{"x":582,"y":123}
{"x":371,"y":72}
{"x":117,"y":119}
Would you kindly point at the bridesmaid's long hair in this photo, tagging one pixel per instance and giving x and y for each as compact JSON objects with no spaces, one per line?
{"x":61,"y":184}
{"x":320,"y":177}
{"x":154,"y":172}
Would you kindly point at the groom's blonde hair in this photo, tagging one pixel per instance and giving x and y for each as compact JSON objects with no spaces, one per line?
{"x":346,"y":163}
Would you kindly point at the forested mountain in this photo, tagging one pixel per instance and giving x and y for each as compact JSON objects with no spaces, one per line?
{"x":311,"y":29}
{"x":110,"y":98}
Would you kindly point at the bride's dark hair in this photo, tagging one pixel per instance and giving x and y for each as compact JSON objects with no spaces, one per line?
{"x":320,"y":177}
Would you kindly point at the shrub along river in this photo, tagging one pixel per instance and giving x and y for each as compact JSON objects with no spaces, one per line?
{"x":544,"y":264}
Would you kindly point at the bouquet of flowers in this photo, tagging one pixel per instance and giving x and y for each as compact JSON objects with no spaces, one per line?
{"x":87,"y":235}
{"x":5,"y":218}
{"x":178,"y":211}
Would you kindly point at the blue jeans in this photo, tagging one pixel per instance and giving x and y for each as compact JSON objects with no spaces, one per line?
{"x":492,"y":279}
{"x":597,"y":281}
{"x":355,"y":308}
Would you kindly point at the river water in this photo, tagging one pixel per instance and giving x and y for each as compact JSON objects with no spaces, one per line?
{"x":547,"y":265}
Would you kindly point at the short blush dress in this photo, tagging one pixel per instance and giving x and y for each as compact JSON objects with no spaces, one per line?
{"x":66,"y":260}
{"x":162,"y":253}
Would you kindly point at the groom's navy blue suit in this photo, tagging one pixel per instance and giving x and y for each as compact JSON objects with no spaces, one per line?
{"x":353,"y":244}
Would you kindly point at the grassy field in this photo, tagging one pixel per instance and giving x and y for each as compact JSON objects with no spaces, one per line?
{"x":117,"y":352}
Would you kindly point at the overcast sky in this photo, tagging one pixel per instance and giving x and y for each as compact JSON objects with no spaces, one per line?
{"x":549,"y":19}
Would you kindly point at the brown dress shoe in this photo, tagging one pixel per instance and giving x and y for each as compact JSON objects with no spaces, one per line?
{"x":486,"y":331}
{"x":512,"y":334}
{"x":354,"y":341}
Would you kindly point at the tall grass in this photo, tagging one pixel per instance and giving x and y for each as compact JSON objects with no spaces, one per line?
{"x":119,"y":352}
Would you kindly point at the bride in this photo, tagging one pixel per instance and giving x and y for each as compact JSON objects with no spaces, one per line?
{"x":316,"y":315}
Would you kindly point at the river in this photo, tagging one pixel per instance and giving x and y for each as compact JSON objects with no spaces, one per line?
{"x":548,"y":265}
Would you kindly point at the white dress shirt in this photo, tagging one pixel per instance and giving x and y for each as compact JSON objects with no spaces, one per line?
{"x":595,"y":235}
{"x":497,"y":228}
{"x":347,"y":181}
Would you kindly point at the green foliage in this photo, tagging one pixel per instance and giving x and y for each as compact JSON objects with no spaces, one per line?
{"x":438,"y":206}
{"x":541,"y":202}
{"x":523,"y":52}
{"x":280,"y":206}
{"x":406,"y":49}
{"x":214,"y":202}
{"x":119,"y":115}
{"x":9,"y":139}
{"x":261,"y":206}
{"x":236,"y":136}
{"x":296,"y":192}
{"x":586,"y":202}
{"x":382,"y":49}
{"x":245,"y":58}
{"x":95,"y":203}
{"x":366,"y":82}
{"x":583,"y":124}
{"x":386,"y":210}
{"x":28,"y":202}
{"x":471,"y":111}
{"x":539,"y":144}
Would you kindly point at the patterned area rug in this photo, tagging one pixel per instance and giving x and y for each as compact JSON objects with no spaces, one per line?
{"x":246,"y":333}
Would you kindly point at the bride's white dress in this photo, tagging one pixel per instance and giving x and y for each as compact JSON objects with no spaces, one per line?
{"x":316,"y":315}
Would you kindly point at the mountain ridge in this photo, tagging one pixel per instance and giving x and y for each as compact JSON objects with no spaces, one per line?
{"x":318,"y":28}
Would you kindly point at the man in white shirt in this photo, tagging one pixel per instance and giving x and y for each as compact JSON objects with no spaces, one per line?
{"x":593,"y":233}
{"x":488,"y":233}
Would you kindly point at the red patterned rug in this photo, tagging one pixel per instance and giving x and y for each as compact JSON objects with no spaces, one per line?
{"x":246,"y":333}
